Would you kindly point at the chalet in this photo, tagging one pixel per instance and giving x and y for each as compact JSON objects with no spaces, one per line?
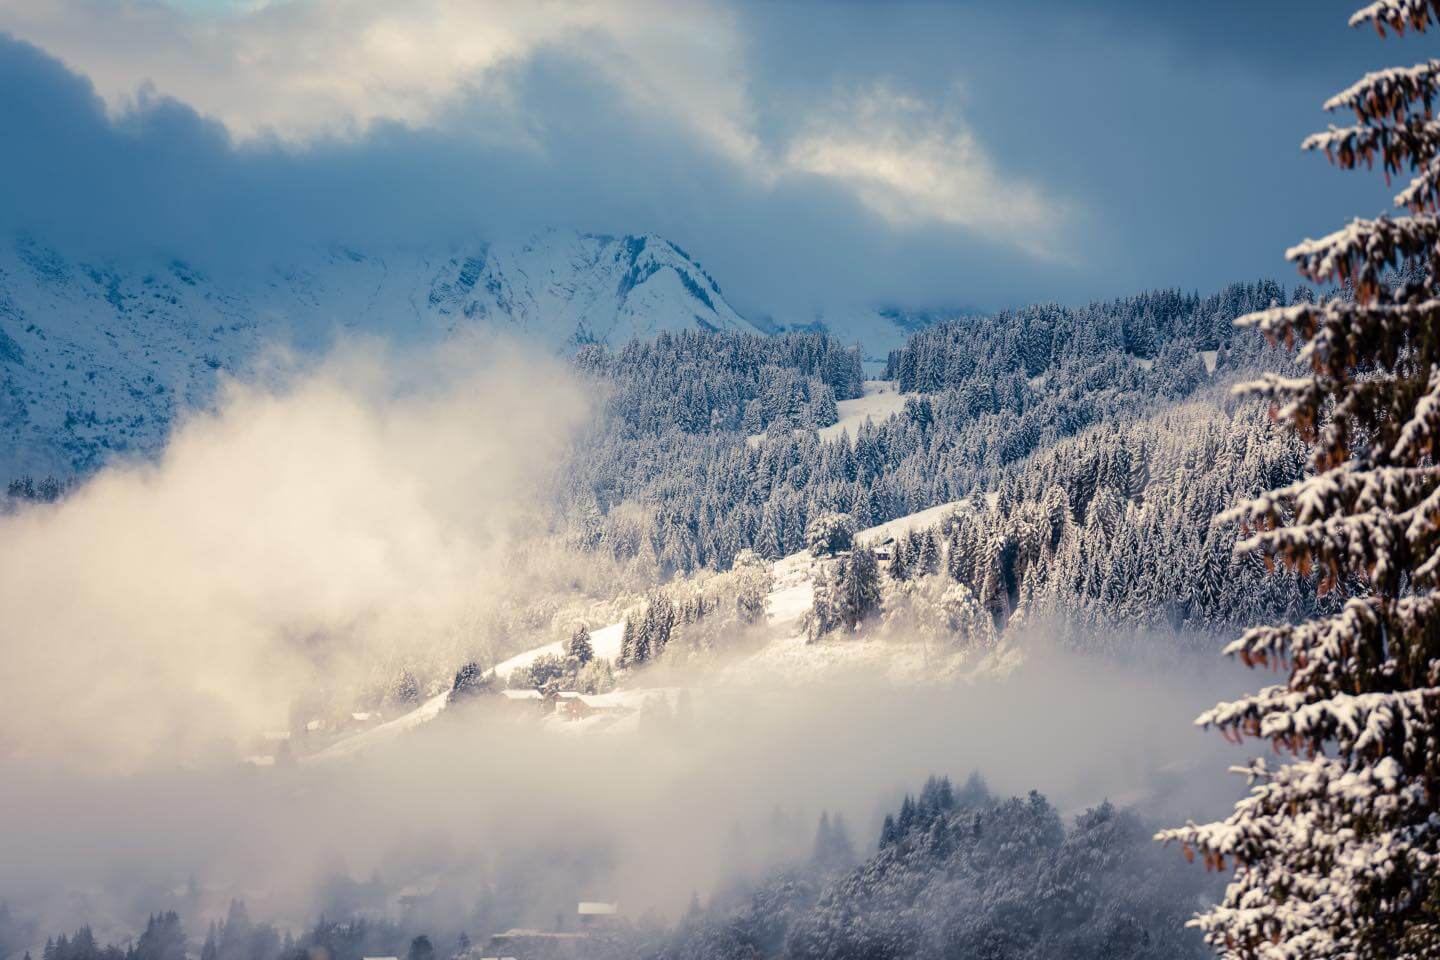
{"x":570,"y":706}
{"x":885,"y":549}
{"x":594,"y":912}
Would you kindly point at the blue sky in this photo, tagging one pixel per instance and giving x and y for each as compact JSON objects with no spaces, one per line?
{"x":811,"y":154}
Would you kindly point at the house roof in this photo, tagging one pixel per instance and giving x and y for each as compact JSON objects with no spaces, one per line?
{"x":596,"y":908}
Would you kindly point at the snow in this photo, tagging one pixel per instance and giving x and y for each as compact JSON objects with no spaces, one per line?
{"x":605,"y":642}
{"x":99,"y":358}
{"x":793,"y":591}
{"x":787,"y":655}
{"x":424,"y":713}
{"x":791,"y":602}
{"x":1209,"y":358}
{"x":880,"y":400}
{"x":877,"y":331}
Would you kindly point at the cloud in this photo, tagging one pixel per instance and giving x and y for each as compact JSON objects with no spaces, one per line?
{"x":909,"y":166}
{"x":486,"y":804}
{"x":293,"y":70}
{"x":299,"y":71}
{"x":306,"y":79}
{"x":811,"y":163}
{"x":323,"y":528}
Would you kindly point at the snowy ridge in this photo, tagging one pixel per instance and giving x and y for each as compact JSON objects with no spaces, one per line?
{"x":96,"y":359}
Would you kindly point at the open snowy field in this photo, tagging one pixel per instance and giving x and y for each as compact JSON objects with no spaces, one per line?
{"x":882,"y":398}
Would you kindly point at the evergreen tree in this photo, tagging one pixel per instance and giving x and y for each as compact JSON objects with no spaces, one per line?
{"x":833,"y":849}
{"x":578,"y":647}
{"x":830,"y":533}
{"x":888,"y":833}
{"x":899,"y":568}
{"x":470,"y":680}
{"x":628,"y":655}
{"x":163,"y":939}
{"x":1337,"y":852}
{"x":927,"y":560}
{"x":859,"y":587}
{"x":404,"y":690}
{"x":822,"y":839}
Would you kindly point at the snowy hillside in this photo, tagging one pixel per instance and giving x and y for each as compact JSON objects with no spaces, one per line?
{"x":787,"y":656}
{"x":96,"y":358}
{"x":880,"y":399}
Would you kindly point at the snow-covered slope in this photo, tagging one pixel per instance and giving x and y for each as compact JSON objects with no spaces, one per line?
{"x":787,"y":657}
{"x":96,"y":358}
{"x":880,"y":400}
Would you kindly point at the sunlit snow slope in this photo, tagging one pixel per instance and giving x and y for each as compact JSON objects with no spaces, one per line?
{"x":787,"y":656}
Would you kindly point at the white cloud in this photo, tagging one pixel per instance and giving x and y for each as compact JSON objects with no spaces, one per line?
{"x":321,"y":525}
{"x":299,"y":70}
{"x":910,"y":165}
{"x":304,"y":69}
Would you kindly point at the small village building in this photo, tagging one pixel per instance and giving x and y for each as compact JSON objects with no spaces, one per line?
{"x":571,"y":706}
{"x":593,"y":912}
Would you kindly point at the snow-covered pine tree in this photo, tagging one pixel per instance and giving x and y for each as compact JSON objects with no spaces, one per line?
{"x":1337,"y":852}
{"x":578,"y":647}
{"x":859,"y":587}
{"x":628,"y":656}
{"x":927,"y":561}
{"x":830,"y":533}
{"x":899,"y":568}
{"x":404,"y":690}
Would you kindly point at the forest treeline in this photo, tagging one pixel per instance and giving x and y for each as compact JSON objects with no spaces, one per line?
{"x":956,"y":871}
{"x":710,"y":446}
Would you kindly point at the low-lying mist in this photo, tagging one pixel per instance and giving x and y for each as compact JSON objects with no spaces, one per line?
{"x":364,"y":510}
{"x":322,"y":519}
{"x":492,"y":815}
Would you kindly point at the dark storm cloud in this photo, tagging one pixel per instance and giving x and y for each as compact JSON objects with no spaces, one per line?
{"x":1161,"y":141}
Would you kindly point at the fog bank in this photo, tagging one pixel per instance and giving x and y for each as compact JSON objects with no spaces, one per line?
{"x":336,"y":519}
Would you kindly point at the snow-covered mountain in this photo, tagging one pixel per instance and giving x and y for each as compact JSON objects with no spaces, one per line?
{"x":96,"y":358}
